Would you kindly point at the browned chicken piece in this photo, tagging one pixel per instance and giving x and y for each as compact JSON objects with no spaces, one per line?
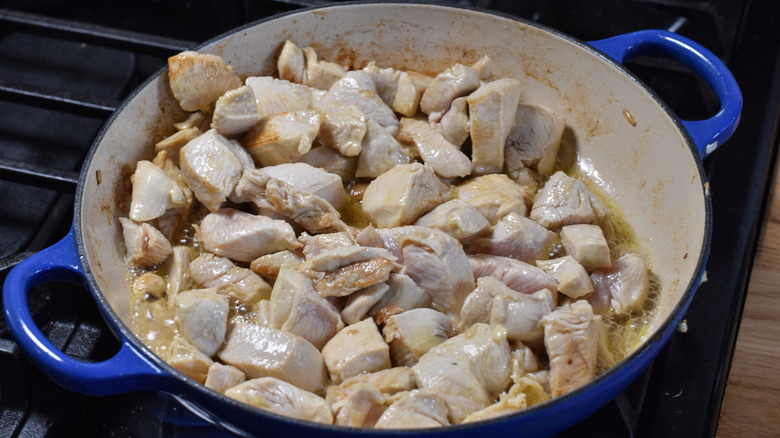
{"x":310,"y":211}
{"x":380,"y":152}
{"x":291,"y":64}
{"x":352,"y":277}
{"x":178,"y":271}
{"x":282,"y":138}
{"x":534,"y":139}
{"x":154,"y":192}
{"x":359,"y":303}
{"x":320,"y":74}
{"x":454,"y":124}
{"x":573,"y":280}
{"x":417,"y":409}
{"x":331,"y":161}
{"x":626,"y":283}
{"x":493,"y":303}
{"x":282,"y":398}
{"x":340,"y":256}
{"x":318,"y":182}
{"x":268,"y":352}
{"x":211,"y":168}
{"x":412,"y":333}
{"x":495,"y":196}
{"x":241,"y":285}
{"x":343,"y":128}
{"x":457,"y":218}
{"x":319,"y":243}
{"x":458,"y":80}
{"x":402,"y":293}
{"x":571,"y":337}
{"x":403,"y":194}
{"x":268,"y":266}
{"x":357,"y":88}
{"x":201,"y":316}
{"x":276,"y":96}
{"x":469,"y":369}
{"x":518,"y":276}
{"x":389,"y":382}
{"x":361,"y":406}
{"x":235,"y":111}
{"x":173,"y":143}
{"x":356,"y":349}
{"x":149,"y":285}
{"x":517,"y":237}
{"x":492,"y":110}
{"x":297,"y":308}
{"x":223,"y":377}
{"x":197,"y":80}
{"x":244,"y":237}
{"x":146,"y":246}
{"x":444,"y":157}
{"x":587,"y":244}
{"x":186,"y":358}
{"x":564,"y":200}
{"x":483,"y":66}
{"x":396,"y":89}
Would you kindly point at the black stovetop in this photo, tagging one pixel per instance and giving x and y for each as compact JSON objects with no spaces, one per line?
{"x":59,"y":81}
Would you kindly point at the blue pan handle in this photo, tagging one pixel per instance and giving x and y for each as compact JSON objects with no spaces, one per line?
{"x":129,"y":370}
{"x":706,"y":134}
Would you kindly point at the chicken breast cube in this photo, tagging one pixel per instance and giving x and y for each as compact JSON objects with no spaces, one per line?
{"x":282,"y":398}
{"x":269,"y":265}
{"x":389,"y":382}
{"x":201,"y":315}
{"x":396,"y":89}
{"x":518,"y":276}
{"x":402,"y":293}
{"x":454,"y":124}
{"x":319,"y":243}
{"x":534,"y":139}
{"x":380,"y":152}
{"x":186,"y":358}
{"x":318,"y":182}
{"x":276,"y":96}
{"x":149,"y":285}
{"x":244,"y":237}
{"x":239,"y":284}
{"x":291,"y":64}
{"x":564,"y":200}
{"x":359,"y":303}
{"x":340,"y":256}
{"x":352,"y":277}
{"x":343,"y":128}
{"x":412,"y":333}
{"x":173,"y":143}
{"x":223,"y":377}
{"x":492,"y":110}
{"x":154,"y":192}
{"x":403,"y":194}
{"x":282,"y":138}
{"x":357,"y":88}
{"x":235,"y":111}
{"x":587,"y":244}
{"x":331,"y":161}
{"x":361,"y":406}
{"x":146,"y":246}
{"x":457,"y":218}
{"x":571,"y":337}
{"x":210,"y":168}
{"x":444,"y":157}
{"x":573,"y":280}
{"x":483,"y":66}
{"x":268,"y":352}
{"x":297,"y":308}
{"x":458,"y":80}
{"x":320,"y":74}
{"x":517,"y":237}
{"x":178,"y":270}
{"x":626,"y":283}
{"x":417,"y":409}
{"x":356,"y":349}
{"x":197,"y":80}
{"x":495,"y":196}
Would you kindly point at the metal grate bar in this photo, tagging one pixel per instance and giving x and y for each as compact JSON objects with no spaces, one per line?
{"x":56,"y":100}
{"x":38,"y":176}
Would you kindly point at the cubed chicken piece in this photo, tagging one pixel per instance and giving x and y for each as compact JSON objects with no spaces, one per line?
{"x":178,"y":269}
{"x":319,"y":243}
{"x":211,"y":168}
{"x":469,"y":369}
{"x":282,"y":138}
{"x":458,"y":80}
{"x":396,"y":89}
{"x":291,"y":64}
{"x":223,"y":377}
{"x":150,"y":286}
{"x":268,"y":266}
{"x":320,"y":74}
{"x":421,"y":81}
{"x":454,"y":124}
{"x":517,"y":237}
{"x":492,"y":110}
{"x":495,"y":196}
{"x":389,"y":382}
{"x":412,"y":333}
{"x":331,"y":161}
{"x":571,"y":338}
{"x":343,"y":128}
{"x":356,"y":349}
{"x":201,"y":315}
{"x":244,"y":237}
{"x":564,"y":200}
{"x":145,"y":245}
{"x":357,"y":88}
{"x":235,"y":112}
{"x":153,"y":193}
{"x":380,"y":152}
{"x":318,"y":182}
{"x":239,"y":284}
{"x":268,"y":352}
{"x":518,"y":276}
{"x":173,"y":143}
{"x":197,"y":80}
{"x":587,"y":244}
{"x":359,"y":303}
{"x":457,"y":218}
{"x":276,"y":96}
{"x":197,"y":119}
{"x":297,"y":308}
{"x":353,"y":277}
{"x":402,"y":293}
{"x":403,"y":194}
{"x":280,"y":397}
{"x":505,"y":405}
{"x":417,"y":409}
{"x":534,"y":140}
{"x":493,"y":303}
{"x":361,"y":406}
{"x":483,"y":66}
{"x":573,"y":280}
{"x":626,"y":283}
{"x":186,"y":358}
{"x":340,"y":256}
{"x":444,"y":157}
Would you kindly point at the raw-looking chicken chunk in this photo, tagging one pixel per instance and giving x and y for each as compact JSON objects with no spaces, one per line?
{"x":318,"y":182}
{"x":458,"y":80}
{"x":331,"y":161}
{"x":239,"y":284}
{"x":282,"y":138}
{"x":282,"y":398}
{"x":454,"y":124}
{"x":517,"y":237}
{"x":291,"y":64}
{"x":319,"y":243}
{"x":457,"y":218}
{"x":275,"y":96}
{"x":396,"y":89}
{"x":320,"y":74}
{"x":186,"y":358}
{"x":380,"y":152}
{"x":412,"y":333}
{"x":492,"y":111}
{"x":223,"y":377}
{"x":211,"y":168}
{"x":197,"y":80}
{"x":534,"y":139}
{"x":417,"y":409}
{"x":244,"y":237}
{"x":444,"y":157}
{"x":154,"y":192}
{"x":269,"y":265}
{"x":201,"y":316}
{"x":356,"y":349}
{"x":564,"y":200}
{"x":146,"y":246}
{"x":495,"y":196}
{"x":360,"y":406}
{"x":518,"y":276}
{"x":235,"y":111}
{"x":626,"y":283}
{"x":357,"y":88}
{"x":402,"y":293}
{"x":359,"y":303}
{"x":343,"y":127}
{"x":587,"y":244}
{"x":573,"y":280}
